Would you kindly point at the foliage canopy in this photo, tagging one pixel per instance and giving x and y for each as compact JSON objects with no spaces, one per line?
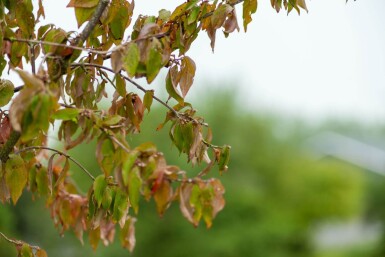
{"x":68,"y":85}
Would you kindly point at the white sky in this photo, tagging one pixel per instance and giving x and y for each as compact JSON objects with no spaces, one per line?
{"x":329,"y":62}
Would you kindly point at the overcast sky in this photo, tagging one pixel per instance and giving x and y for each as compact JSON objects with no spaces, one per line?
{"x":328,"y":62}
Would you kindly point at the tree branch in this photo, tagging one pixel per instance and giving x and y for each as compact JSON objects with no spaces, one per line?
{"x":8,"y":146}
{"x":40,"y":42}
{"x":17,"y":242}
{"x":92,"y":23}
{"x":59,"y":152}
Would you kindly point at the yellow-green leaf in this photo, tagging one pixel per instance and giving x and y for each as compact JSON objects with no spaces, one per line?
{"x":131,"y":59}
{"x":100,"y":185}
{"x":127,"y":165}
{"x":6,"y":92}
{"x":16,"y":176}
{"x":249,"y":7}
{"x":147,"y":99}
{"x":224,"y":158}
{"x":134,"y":187}
{"x":26,"y":251}
{"x":83,"y":3}
{"x":66,"y":114}
{"x":83,"y":14}
{"x":153,"y":65}
{"x":120,"y":205}
{"x":120,"y":85}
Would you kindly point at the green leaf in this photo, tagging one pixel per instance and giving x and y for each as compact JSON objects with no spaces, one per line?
{"x":249,"y":7}
{"x":179,"y":10}
{"x":6,"y":92}
{"x":193,"y":15}
{"x":25,"y":19}
{"x":131,"y":59}
{"x":207,"y":212}
{"x":120,"y":205}
{"x":112,"y":120}
{"x":153,"y":65}
{"x":55,"y":36}
{"x":107,"y":198}
{"x":187,"y":131}
{"x":120,"y":85}
{"x":164,"y":15}
{"x":100,"y":185}
{"x":83,"y":15}
{"x":42,"y":181}
{"x":91,"y":206}
{"x":26,"y":251}
{"x":36,"y":116}
{"x":196,"y":204}
{"x":224,"y":158}
{"x":66,"y":114}
{"x":107,"y":162}
{"x":121,"y":12}
{"x":128,"y":163}
{"x":134,"y":187}
{"x":147,"y":99}
{"x":16,"y":176}
{"x":177,"y":136}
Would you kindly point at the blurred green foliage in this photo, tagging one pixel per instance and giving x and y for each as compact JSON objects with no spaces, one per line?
{"x":276,"y":194}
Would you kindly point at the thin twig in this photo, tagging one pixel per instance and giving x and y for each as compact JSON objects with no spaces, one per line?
{"x":92,"y":23}
{"x":17,"y":242}
{"x":33,"y":58}
{"x":17,"y":89}
{"x":59,"y":152}
{"x":40,"y":42}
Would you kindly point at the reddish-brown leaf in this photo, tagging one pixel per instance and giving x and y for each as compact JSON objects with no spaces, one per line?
{"x":127,"y":234}
{"x":187,"y":73}
{"x":163,"y":196}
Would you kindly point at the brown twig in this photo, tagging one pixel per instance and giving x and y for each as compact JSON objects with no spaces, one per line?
{"x":17,"y":242}
{"x":92,"y":23}
{"x":8,"y":146}
{"x":29,"y":148}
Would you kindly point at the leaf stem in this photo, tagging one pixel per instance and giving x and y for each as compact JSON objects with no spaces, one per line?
{"x":29,"y":148}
